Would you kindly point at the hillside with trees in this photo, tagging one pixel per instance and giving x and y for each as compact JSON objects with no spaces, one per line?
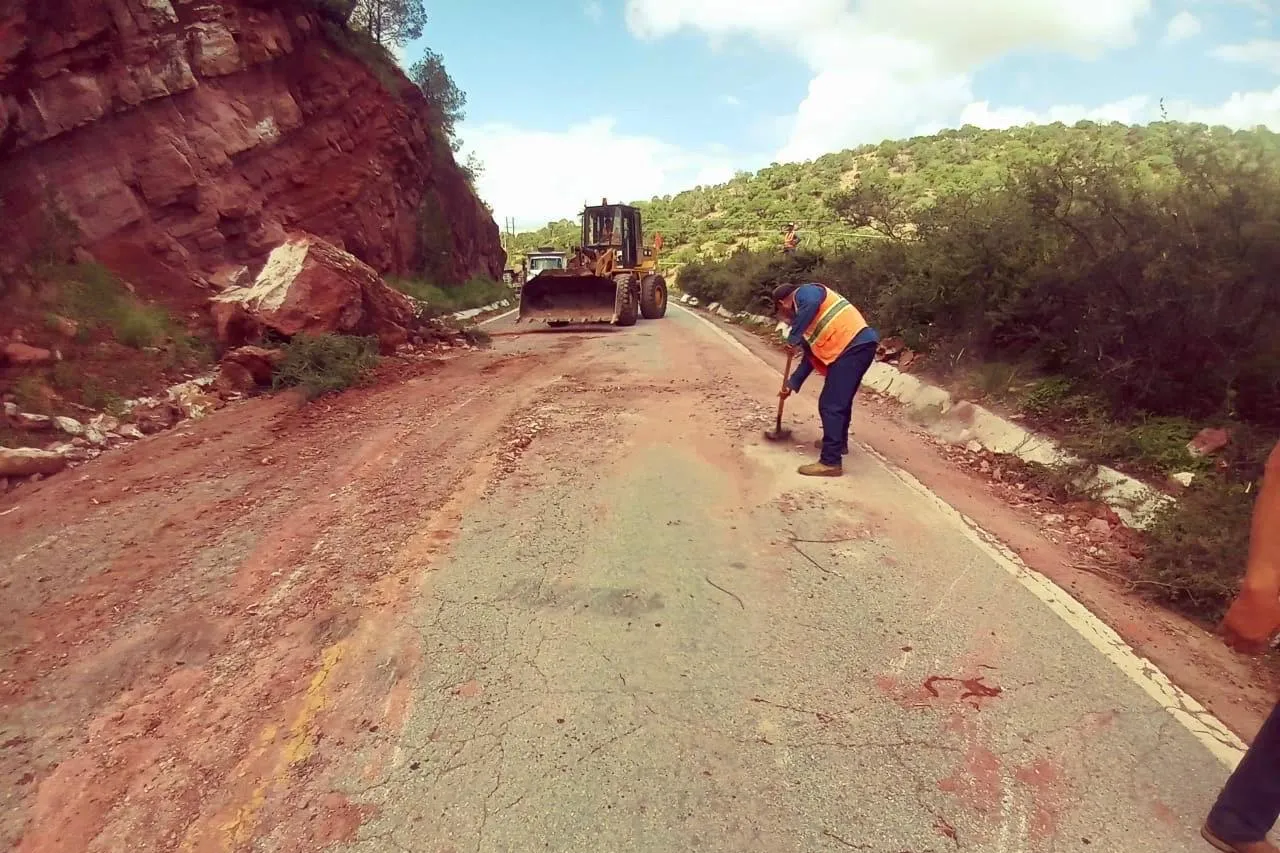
{"x":752,"y":210}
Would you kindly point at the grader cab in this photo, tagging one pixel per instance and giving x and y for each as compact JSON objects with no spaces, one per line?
{"x":612,"y":277}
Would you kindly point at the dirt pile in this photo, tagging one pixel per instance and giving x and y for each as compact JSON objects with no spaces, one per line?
{"x":179,"y":142}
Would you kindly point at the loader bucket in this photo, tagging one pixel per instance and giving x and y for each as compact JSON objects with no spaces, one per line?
{"x":567,"y":296}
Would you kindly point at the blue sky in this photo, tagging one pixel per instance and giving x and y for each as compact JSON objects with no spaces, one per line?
{"x":577,"y":99}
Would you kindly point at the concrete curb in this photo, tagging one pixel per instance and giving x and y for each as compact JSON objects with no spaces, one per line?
{"x":475,"y":312}
{"x":963,"y":422}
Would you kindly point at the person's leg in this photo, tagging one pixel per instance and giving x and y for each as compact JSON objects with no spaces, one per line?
{"x":835,"y":404}
{"x":863,"y":356}
{"x":1249,"y":803}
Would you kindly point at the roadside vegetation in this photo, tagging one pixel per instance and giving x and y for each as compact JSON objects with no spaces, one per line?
{"x":323,"y":364}
{"x":1113,"y":285}
{"x":474,"y":293}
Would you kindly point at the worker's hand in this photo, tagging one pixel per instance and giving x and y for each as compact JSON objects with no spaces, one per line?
{"x":785,"y":392}
{"x":1252,"y":619}
{"x":793,"y":350}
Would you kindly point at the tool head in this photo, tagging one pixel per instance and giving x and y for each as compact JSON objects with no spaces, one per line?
{"x":777,"y":435}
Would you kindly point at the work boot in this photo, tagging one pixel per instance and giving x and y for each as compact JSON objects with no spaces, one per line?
{"x":821,"y":469}
{"x":844,"y":451}
{"x":1239,"y":846}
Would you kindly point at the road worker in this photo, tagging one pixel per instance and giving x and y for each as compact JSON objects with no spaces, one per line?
{"x":836,"y":341}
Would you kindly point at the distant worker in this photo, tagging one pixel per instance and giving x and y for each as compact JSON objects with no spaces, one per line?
{"x":790,"y":239}
{"x":1249,"y":804}
{"x":837,"y":342}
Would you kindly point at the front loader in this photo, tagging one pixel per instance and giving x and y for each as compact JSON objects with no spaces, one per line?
{"x":612,"y":277}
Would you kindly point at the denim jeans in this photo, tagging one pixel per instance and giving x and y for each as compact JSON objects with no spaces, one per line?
{"x":1249,"y":803}
{"x":835,"y":403}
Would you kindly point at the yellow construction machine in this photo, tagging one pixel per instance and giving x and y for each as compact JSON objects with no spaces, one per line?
{"x":611,"y":278}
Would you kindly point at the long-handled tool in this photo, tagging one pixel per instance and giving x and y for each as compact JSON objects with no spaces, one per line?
{"x":778,"y":433}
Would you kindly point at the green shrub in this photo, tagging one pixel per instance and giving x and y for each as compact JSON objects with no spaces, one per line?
{"x":320,"y":364}
{"x":91,"y":295}
{"x":1046,"y":396}
{"x":29,"y":395}
{"x":141,"y":326}
{"x":1197,"y":548}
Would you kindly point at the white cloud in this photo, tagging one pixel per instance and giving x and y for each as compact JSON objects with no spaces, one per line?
{"x":732,"y":100}
{"x":593,"y":10}
{"x":1181,"y":27}
{"x":536,"y":176}
{"x":1263,"y":52}
{"x":883,"y":68}
{"x":1243,"y":110}
{"x":1128,"y":111}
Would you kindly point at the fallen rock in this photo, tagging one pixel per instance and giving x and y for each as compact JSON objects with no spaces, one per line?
{"x":974,"y":446}
{"x":11,"y":410}
{"x":309,"y":286}
{"x":684,"y":298}
{"x":130,"y":431}
{"x":31,"y":423}
{"x":24,"y":355}
{"x":70,"y":426}
{"x":1098,"y":527}
{"x":63,"y":326}
{"x":693,"y":302}
{"x":28,"y":461}
{"x":1208,"y":442}
{"x":95,"y":437}
{"x":234,"y":377}
{"x":261,"y":362}
{"x":1054,"y":518}
{"x":156,"y":417}
{"x":1183,"y":479}
{"x":905,"y":358}
{"x":193,"y":401}
{"x":105,"y":423}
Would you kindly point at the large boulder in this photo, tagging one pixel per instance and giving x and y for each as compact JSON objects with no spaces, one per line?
{"x":309,"y":286}
{"x":28,"y":461}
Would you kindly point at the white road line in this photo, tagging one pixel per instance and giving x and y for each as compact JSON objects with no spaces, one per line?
{"x":1203,"y":725}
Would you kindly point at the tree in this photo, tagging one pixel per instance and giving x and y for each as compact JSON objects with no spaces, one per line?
{"x":391,"y":23}
{"x":443,"y":95}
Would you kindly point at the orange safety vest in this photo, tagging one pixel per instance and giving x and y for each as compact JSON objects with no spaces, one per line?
{"x":833,"y":327}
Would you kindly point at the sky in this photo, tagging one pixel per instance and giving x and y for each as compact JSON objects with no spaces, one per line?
{"x":571,"y":101}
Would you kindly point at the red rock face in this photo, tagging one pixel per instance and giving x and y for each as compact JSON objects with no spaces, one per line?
{"x":186,"y":137}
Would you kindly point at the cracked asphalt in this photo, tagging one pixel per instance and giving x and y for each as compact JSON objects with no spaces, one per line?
{"x":649,"y":634}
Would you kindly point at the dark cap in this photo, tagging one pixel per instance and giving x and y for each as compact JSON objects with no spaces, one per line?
{"x":782,"y":291}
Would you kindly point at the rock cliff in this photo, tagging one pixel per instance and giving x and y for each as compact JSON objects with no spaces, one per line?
{"x":180,"y":140}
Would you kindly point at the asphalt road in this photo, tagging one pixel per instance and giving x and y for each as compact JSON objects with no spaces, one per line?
{"x":649,"y":634}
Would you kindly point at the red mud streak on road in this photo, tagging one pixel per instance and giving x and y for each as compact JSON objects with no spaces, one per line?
{"x":974,"y":688}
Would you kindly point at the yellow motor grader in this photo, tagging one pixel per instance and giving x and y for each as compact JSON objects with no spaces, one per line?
{"x":612,"y":277}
